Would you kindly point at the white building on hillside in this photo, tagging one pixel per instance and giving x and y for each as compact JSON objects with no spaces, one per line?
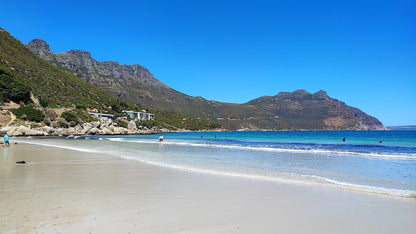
{"x":139,"y":116}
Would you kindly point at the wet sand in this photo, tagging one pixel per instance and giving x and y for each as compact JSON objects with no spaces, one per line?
{"x":65,"y":191}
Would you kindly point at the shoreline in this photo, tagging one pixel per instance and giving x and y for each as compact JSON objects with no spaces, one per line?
{"x":158,"y":131}
{"x":62,"y":190}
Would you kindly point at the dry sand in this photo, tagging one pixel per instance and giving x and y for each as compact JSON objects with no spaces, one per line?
{"x":65,"y":191}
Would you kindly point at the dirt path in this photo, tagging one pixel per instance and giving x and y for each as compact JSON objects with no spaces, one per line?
{"x":12,"y":118}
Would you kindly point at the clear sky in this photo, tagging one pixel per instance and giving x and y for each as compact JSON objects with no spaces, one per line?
{"x":360,"y":52}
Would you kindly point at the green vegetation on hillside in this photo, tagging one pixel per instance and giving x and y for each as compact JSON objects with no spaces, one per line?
{"x":173,"y":120}
{"x":12,"y":88}
{"x":28,"y":113}
{"x":77,"y":116}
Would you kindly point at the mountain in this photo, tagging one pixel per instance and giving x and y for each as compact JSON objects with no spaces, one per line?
{"x":317,"y":110}
{"x":299,"y":110}
{"x":22,"y":71}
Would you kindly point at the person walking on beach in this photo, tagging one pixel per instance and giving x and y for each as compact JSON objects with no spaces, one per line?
{"x":6,"y":140}
{"x":160,"y":138}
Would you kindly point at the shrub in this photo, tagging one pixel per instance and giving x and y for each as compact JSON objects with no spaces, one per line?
{"x":43,"y":102}
{"x":29,"y":113}
{"x":34,"y":125}
{"x":11,"y":88}
{"x":81,"y":106}
{"x":61,"y":122}
{"x":147,"y":123}
{"x":122,"y":123}
{"x":47,"y":122}
{"x":70,"y":116}
{"x":78,"y":116}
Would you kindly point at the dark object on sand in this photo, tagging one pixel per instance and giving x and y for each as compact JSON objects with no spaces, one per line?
{"x":20,"y":162}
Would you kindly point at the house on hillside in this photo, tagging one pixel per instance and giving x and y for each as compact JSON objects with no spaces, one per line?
{"x":139,"y":116}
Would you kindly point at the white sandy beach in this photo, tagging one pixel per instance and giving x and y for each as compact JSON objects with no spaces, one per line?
{"x":65,"y":191}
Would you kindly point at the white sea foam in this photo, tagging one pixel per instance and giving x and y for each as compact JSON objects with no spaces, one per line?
{"x":289,"y":178}
{"x":70,"y":147}
{"x":270,"y":149}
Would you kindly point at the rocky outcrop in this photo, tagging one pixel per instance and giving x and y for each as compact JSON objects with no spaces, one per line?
{"x":103,"y":127}
{"x":132,"y":126}
{"x":117,"y":79}
{"x":41,"y":48}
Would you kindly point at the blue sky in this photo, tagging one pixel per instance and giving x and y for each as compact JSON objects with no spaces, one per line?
{"x":360,"y":52}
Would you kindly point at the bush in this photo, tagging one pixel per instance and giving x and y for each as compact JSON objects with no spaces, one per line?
{"x":43,"y":102}
{"x":28,"y":113}
{"x":62,"y":123}
{"x":81,"y":106}
{"x":11,"y":88}
{"x":47,"y":122}
{"x":34,"y":125}
{"x":69,"y":116}
{"x":78,"y":116}
{"x":147,"y":123}
{"x":122,"y":123}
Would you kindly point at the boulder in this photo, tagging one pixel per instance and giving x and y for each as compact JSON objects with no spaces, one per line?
{"x":86,"y":127}
{"x":105,"y":131}
{"x":48,"y":129}
{"x":93,"y":131}
{"x":5,"y":129}
{"x":78,"y":129}
{"x":60,"y":132}
{"x":105,"y":122}
{"x":132,"y":126}
{"x":95,"y":124}
{"x":34,"y":132}
{"x":19,"y":131}
{"x":120,"y":131}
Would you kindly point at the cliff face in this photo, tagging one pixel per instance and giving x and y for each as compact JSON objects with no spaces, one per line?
{"x":117,"y":79}
{"x":299,"y":110}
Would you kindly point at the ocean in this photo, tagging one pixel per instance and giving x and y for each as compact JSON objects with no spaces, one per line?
{"x":375,"y":162}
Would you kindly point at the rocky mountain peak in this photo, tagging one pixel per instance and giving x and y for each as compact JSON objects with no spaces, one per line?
{"x":300,"y":93}
{"x":110,"y":76}
{"x":38,"y":44}
{"x":82,"y":54}
{"x":321,"y":94}
{"x":40,"y":48}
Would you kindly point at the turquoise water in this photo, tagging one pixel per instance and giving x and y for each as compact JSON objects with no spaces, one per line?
{"x":360,"y":163}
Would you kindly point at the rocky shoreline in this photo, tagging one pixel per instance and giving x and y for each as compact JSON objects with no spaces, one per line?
{"x":105,"y":126}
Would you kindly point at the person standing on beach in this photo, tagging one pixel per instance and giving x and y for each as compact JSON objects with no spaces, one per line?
{"x":6,"y":140}
{"x":160,"y":138}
